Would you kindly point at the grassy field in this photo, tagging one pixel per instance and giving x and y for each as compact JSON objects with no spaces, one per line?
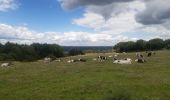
{"x":88,"y":81}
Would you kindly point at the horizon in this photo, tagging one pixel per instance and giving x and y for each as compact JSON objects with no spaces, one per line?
{"x":83,"y":22}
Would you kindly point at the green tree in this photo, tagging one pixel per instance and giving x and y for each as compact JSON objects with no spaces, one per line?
{"x":140,"y":45}
{"x":167,"y":43}
{"x":155,"y":44}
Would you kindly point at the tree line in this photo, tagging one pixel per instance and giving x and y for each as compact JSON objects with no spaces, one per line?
{"x":23,"y":52}
{"x":142,"y":45}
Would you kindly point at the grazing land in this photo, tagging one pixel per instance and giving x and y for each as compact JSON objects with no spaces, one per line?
{"x":89,"y":80}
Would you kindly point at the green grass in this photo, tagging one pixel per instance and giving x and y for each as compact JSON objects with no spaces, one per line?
{"x":88,"y":81}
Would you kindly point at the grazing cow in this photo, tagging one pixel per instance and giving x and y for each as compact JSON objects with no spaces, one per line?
{"x":82,"y":60}
{"x":114,"y":59}
{"x":139,"y":55}
{"x":102,"y":58}
{"x":47,"y":60}
{"x":76,"y":60}
{"x":140,"y":60}
{"x":5,"y":64}
{"x":70,"y":61}
{"x":149,"y":54}
{"x":123,"y":61}
{"x":115,"y":55}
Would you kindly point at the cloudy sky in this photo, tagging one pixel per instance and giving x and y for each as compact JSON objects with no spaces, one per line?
{"x":83,"y":22}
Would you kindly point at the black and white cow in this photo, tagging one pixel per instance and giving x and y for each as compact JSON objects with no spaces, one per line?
{"x":101,"y":58}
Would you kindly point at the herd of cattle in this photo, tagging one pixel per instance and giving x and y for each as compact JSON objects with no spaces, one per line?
{"x":139,"y":58}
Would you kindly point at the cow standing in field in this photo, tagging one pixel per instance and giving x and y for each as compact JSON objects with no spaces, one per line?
{"x":140,"y":58}
{"x":149,"y":54}
{"x":102,"y":58}
{"x":82,"y":60}
{"x":139,"y":55}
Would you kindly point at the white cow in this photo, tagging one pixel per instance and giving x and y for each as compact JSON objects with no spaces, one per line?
{"x":123,"y":61}
{"x":115,"y":55}
{"x":47,"y":60}
{"x":5,"y":64}
{"x":70,"y":61}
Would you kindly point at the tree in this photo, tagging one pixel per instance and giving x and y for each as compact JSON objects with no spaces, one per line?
{"x":155,"y":44}
{"x":125,"y":46}
{"x":167,"y":44}
{"x":140,"y":45}
{"x":13,"y":51}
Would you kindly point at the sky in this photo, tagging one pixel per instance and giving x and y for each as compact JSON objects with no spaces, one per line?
{"x":83,"y":22}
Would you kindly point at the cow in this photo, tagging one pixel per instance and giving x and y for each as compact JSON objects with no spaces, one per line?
{"x":149,"y":54}
{"x":70,"y":61}
{"x":116,"y":54}
{"x":47,"y":60}
{"x":139,"y":55}
{"x":76,"y":60}
{"x":6,"y":64}
{"x":140,"y":60}
{"x":102,"y":58}
{"x":82,"y":60}
{"x":123,"y":61}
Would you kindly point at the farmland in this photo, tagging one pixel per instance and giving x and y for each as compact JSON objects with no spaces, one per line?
{"x":89,"y":80}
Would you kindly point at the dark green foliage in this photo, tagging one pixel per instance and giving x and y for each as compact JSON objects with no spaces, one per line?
{"x":74,"y":52}
{"x":141,"y":45}
{"x":167,"y":43}
{"x":125,"y":46}
{"x":155,"y":44}
{"x":44,"y":50}
{"x":12,"y":51}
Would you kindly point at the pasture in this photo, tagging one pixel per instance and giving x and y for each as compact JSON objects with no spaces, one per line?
{"x":89,"y":80}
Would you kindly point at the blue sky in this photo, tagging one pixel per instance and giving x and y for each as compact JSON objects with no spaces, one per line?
{"x":42,"y":15}
{"x":83,"y":22}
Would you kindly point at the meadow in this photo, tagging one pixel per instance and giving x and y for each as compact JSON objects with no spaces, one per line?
{"x":89,"y":80}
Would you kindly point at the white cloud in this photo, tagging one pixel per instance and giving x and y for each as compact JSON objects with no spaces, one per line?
{"x":21,"y":34}
{"x":90,"y":20}
{"x":118,"y":23}
{"x":6,"y":5}
{"x":107,"y":30}
{"x":122,"y":23}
